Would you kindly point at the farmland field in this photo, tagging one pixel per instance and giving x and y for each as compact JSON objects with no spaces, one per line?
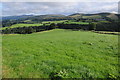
{"x":21,"y":25}
{"x":70,"y":22}
{"x":72,"y":54}
{"x":41,"y":24}
{"x":54,"y":21}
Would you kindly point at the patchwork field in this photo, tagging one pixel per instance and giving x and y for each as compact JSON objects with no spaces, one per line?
{"x":58,"y":52}
{"x":21,"y":25}
{"x":43,"y":23}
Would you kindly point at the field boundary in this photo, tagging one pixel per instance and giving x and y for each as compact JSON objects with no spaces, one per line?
{"x":106,"y":32}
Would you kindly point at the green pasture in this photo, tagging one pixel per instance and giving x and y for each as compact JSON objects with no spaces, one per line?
{"x":71,"y":54}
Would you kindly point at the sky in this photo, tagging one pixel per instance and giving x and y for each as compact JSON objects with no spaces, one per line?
{"x":64,"y":8}
{"x":60,"y":0}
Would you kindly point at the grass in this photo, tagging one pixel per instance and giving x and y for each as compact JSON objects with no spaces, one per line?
{"x":65,"y":22}
{"x":72,"y":54}
{"x":93,"y":16}
{"x":21,"y":25}
{"x":107,"y":32}
{"x":54,"y":21}
{"x":44,"y":22}
{"x":70,"y":22}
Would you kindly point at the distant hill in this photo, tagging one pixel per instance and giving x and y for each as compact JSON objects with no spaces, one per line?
{"x":16,"y":17}
{"x":113,"y":16}
{"x":76,"y":15}
{"x":63,"y":17}
{"x":47,"y":16}
{"x":94,"y":16}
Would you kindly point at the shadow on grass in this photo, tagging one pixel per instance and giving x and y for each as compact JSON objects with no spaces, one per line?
{"x":53,"y":76}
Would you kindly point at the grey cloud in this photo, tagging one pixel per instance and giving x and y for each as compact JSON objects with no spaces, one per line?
{"x":21,"y":8}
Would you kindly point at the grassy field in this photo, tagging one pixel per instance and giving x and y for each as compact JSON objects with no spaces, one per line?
{"x":71,"y":22}
{"x":44,"y":22}
{"x":107,"y":32}
{"x":65,"y":22}
{"x":92,"y":17}
{"x":21,"y":25}
{"x":54,"y":21}
{"x":71,"y":54}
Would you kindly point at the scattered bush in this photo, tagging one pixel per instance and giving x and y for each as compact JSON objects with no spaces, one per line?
{"x":58,"y":75}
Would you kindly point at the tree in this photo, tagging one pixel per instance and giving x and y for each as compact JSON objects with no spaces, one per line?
{"x":92,"y":26}
{"x":29,"y":30}
{"x":52,"y":26}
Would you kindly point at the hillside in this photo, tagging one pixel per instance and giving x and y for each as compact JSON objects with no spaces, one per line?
{"x":16,"y":17}
{"x":58,"y":17}
{"x":62,"y":53}
{"x":77,"y":17}
{"x":95,"y":16}
{"x":113,"y":16}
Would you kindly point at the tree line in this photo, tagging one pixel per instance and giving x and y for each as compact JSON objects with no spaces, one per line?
{"x":27,"y":29}
{"x":114,"y":26}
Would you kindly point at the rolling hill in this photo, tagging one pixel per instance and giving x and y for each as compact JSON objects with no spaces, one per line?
{"x":77,"y":54}
{"x":94,"y":16}
{"x":16,"y":17}
{"x":55,"y":16}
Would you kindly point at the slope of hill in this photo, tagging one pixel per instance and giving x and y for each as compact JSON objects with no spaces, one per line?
{"x":10,"y":20}
{"x":48,"y":16}
{"x":57,"y":17}
{"x":94,"y":16}
{"x":16,"y":17}
{"x":113,"y":16}
{"x":76,"y":16}
{"x":72,"y":54}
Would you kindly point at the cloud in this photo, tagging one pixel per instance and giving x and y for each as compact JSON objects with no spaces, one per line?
{"x":60,"y":0}
{"x":95,"y":7}
{"x":38,"y":8}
